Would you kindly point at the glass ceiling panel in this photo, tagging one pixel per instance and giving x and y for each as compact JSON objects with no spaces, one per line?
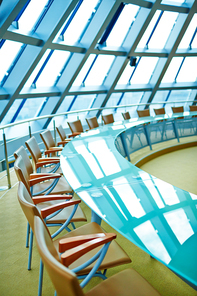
{"x":50,"y":71}
{"x":158,"y":30}
{"x":10,"y":114}
{"x":172,"y":70}
{"x":122,"y":25}
{"x":31,"y":14}
{"x":191,"y":30}
{"x":94,"y":71}
{"x":53,"y":68}
{"x":8,"y":52}
{"x":77,"y":22}
{"x":144,"y":70}
{"x":30,"y":108}
{"x":126,"y":75}
{"x":177,"y":2}
{"x":65,"y":104}
{"x":188,"y":71}
{"x":79,"y":80}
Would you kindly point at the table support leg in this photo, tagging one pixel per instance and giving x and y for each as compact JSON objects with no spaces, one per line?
{"x":96,"y":218}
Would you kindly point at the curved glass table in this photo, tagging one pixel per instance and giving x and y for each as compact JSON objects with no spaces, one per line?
{"x":159,"y":218}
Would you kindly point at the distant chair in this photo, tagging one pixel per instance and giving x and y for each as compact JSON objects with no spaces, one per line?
{"x":160,"y":111}
{"x":143,"y":113}
{"x":178,"y":110}
{"x":193,"y":108}
{"x":107,"y":119}
{"x":75,"y":127}
{"x":49,"y":143}
{"x":92,"y":122}
{"x":126,"y":282}
{"x":61,"y":132}
{"x":42,"y":164}
{"x":126,"y":115}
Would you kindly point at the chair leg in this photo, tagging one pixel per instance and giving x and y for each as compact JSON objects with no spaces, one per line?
{"x":27,"y":236}
{"x":30,"y":250}
{"x":40,"y":278}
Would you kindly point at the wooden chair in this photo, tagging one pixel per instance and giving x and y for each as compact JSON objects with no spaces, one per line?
{"x":143,"y":113}
{"x":193,"y":108}
{"x":160,"y":111}
{"x":39,"y":186}
{"x":52,"y":192}
{"x":126,"y":283}
{"x":92,"y":122}
{"x":61,"y":132}
{"x":75,"y":127}
{"x":126,"y":115}
{"x":178,"y":110}
{"x":49,"y":143}
{"x":39,"y":163}
{"x":107,"y":119}
{"x":115,"y":254}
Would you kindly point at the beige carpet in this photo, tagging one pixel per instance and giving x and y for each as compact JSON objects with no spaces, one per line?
{"x":16,"y":280}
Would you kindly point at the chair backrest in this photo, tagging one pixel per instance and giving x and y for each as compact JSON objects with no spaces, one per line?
{"x":92,"y":122}
{"x":109,"y":118}
{"x":34,"y":150}
{"x":27,"y":204}
{"x":47,"y":138}
{"x":63,"y":279}
{"x":31,"y":211}
{"x":193,"y":108}
{"x":126,"y":115}
{"x":22,"y":152}
{"x":159,"y":111}
{"x":61,"y":132}
{"x":75,"y":126}
{"x":143,"y":113}
{"x":177,"y":109}
{"x":22,"y":173}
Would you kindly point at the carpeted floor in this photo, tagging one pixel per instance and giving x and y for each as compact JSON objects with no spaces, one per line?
{"x":16,"y":280}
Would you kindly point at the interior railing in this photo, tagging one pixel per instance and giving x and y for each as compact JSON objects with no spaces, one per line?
{"x":7,"y":156}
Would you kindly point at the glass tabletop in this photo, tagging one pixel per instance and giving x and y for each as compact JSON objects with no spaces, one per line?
{"x":158,"y":217}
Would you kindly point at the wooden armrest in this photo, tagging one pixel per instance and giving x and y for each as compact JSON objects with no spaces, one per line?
{"x":53,"y":149}
{"x":37,"y":178}
{"x":73,"y":254}
{"x":63,"y":142}
{"x":48,"y":158}
{"x":74,"y":134}
{"x":52,"y":209}
{"x":47,"y":161}
{"x":38,"y":199}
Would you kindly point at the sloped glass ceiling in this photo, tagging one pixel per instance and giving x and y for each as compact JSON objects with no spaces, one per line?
{"x":59,"y":56}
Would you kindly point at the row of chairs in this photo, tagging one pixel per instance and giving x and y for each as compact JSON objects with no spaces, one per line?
{"x":47,"y":200}
{"x":77,"y":128}
{"x":160,"y":111}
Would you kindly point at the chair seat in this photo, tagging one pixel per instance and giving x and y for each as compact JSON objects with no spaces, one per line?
{"x":126,"y":283}
{"x":115,"y":255}
{"x":61,"y":187}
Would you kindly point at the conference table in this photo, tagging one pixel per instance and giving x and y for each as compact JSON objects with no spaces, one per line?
{"x":156,"y":216}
